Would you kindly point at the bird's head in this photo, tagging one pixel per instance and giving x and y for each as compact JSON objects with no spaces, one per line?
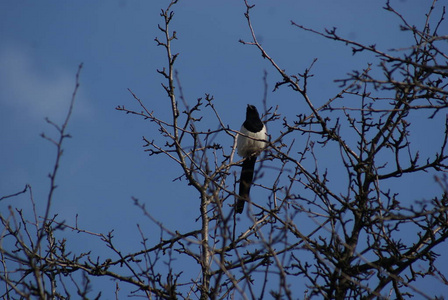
{"x":252,"y":111}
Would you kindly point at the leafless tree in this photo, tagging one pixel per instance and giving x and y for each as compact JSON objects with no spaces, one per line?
{"x":355,"y":243}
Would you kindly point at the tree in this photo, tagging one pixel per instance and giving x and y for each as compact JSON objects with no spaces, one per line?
{"x":356,"y":246}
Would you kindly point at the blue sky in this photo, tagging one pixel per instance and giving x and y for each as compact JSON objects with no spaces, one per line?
{"x":43,"y":42}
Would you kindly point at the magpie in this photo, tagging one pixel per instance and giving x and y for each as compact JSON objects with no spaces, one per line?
{"x":250,"y":142}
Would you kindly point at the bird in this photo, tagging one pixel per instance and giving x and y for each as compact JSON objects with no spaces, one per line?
{"x":251,"y":140}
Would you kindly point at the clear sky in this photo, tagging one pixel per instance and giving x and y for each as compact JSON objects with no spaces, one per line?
{"x":43,"y":42}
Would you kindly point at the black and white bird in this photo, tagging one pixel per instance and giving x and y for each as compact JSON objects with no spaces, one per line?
{"x":250,"y":142}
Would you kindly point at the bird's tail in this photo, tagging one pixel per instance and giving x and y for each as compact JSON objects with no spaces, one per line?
{"x":247,"y":175}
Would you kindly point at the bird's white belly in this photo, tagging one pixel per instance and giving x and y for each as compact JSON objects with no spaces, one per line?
{"x":250,"y":142}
